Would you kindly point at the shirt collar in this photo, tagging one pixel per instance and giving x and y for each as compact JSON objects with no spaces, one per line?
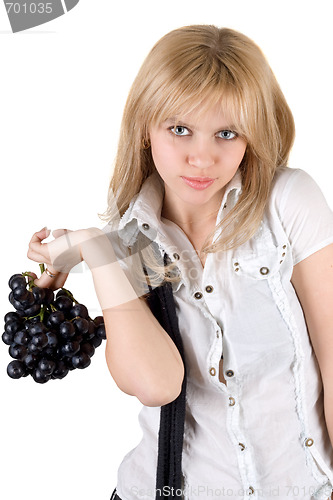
{"x":144,"y":211}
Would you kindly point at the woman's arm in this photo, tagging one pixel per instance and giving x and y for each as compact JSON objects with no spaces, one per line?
{"x":142,"y":358}
{"x":313,"y":281}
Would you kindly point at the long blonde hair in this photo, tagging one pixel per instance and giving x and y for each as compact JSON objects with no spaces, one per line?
{"x":193,"y":68}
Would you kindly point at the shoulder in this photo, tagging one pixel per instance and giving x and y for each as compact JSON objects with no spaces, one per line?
{"x":293,"y":187}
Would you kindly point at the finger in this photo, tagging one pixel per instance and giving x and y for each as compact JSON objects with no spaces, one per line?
{"x":40,"y":235}
{"x":31,"y":276}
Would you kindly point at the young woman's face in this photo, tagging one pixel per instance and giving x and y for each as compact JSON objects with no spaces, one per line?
{"x":196,"y":158}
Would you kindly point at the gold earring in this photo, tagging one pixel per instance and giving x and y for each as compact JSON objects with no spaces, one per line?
{"x":145,"y":143}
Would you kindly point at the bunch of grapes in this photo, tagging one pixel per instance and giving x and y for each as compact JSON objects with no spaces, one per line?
{"x":48,"y":335}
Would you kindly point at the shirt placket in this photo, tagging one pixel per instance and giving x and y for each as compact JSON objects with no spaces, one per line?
{"x":233,"y":386}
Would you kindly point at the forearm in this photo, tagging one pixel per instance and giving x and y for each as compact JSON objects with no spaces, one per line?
{"x":142,"y":358}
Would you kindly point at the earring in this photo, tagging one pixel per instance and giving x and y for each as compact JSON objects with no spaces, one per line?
{"x":145,"y":143}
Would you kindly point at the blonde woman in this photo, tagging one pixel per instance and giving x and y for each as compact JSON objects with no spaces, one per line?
{"x":215,"y":277}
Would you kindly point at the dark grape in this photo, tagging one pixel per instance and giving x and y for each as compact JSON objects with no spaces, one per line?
{"x":16,"y":369}
{"x":81,"y":325}
{"x":63,"y":303}
{"x":47,"y":366}
{"x":22,"y":337}
{"x":70,"y":348}
{"x":49,"y":296}
{"x":79,"y":310}
{"x":17,"y":280}
{"x":30,"y":360}
{"x":40,"y":340}
{"x":20,"y":293}
{"x":99,"y":320}
{"x":67,"y":330}
{"x":56,"y":318}
{"x":11,"y":316}
{"x":87,"y":348}
{"x":52,"y":339}
{"x":61,"y":370}
{"x":40,"y":377}
{"x":95,"y":341}
{"x":28,"y":301}
{"x":13,"y":326}
{"x":38,"y":327}
{"x":100,"y":332}
{"x":81,"y":360}
{"x":39,"y":294}
{"x":33,"y":310}
{"x":7,"y":338}
{"x":17,"y":351}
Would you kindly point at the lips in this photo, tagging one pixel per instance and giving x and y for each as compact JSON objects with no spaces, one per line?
{"x":198,"y":182}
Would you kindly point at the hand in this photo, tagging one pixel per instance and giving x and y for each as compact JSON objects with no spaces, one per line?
{"x":37,"y":252}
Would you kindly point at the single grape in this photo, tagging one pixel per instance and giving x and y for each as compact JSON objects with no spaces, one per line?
{"x":81,"y":325}
{"x":11,"y":316}
{"x":37,"y":327}
{"x":13,"y":326}
{"x":22,"y":337}
{"x":81,"y":360}
{"x":17,"y":351}
{"x":8,"y":338}
{"x":100,"y":332}
{"x":79,"y":310}
{"x":67,"y":330}
{"x":31,"y":360}
{"x":39,"y":294}
{"x":61,"y":370}
{"x":70,"y":348}
{"x":28,"y":301}
{"x":20,"y":293}
{"x":47,"y":366}
{"x":99,"y":320}
{"x":55,"y":318}
{"x":15,"y":303}
{"x":52,"y":339}
{"x":63,"y":303}
{"x":17,"y":280}
{"x":87,"y":348}
{"x":33,"y":310}
{"x":91,"y":330}
{"x":49,"y":296}
{"x":40,"y":377}
{"x":40,"y":340}
{"x":16,"y":369}
{"x":95,"y":341}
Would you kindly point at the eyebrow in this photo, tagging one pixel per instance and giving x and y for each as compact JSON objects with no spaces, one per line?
{"x":181,"y":123}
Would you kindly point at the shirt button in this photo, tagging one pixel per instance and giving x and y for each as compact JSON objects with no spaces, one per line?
{"x":145,"y":226}
{"x":229,"y":373}
{"x":309,"y":442}
{"x":264,"y":270}
{"x":231,"y":401}
{"x":198,"y":295}
{"x":242,"y":446}
{"x":176,"y":256}
{"x":209,"y":289}
{"x":212,"y":371}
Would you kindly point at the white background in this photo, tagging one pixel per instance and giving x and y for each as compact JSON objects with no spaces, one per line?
{"x":62,"y":89}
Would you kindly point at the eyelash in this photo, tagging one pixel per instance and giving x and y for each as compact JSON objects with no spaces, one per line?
{"x":172,"y":130}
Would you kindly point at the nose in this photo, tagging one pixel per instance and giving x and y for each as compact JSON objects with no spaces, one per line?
{"x":201,"y":154}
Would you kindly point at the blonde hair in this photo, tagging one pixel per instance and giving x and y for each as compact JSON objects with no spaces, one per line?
{"x":191,"y":69}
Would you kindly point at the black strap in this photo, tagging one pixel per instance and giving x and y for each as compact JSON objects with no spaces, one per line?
{"x":172,"y":416}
